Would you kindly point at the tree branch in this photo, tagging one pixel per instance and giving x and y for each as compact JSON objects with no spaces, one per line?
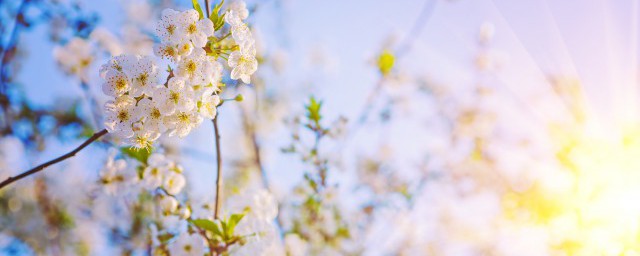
{"x":41,"y":167}
{"x":219,"y":167}
{"x":206,"y":3}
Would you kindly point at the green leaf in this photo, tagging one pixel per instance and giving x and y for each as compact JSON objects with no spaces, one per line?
{"x":139,"y":154}
{"x":214,"y":18}
{"x":219,"y":23}
{"x":140,"y":172}
{"x":207,"y":225}
{"x":313,"y":110}
{"x":197,"y":7}
{"x":223,"y":224}
{"x":217,"y":7}
{"x":215,"y":14}
{"x":385,"y":62}
{"x":233,"y":221}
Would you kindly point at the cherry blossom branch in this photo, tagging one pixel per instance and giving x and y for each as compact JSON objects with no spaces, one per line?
{"x":41,"y":167}
{"x":219,"y":168}
{"x":218,"y":157}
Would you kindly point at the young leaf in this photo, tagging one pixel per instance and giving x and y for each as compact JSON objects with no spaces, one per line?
{"x":215,"y":13}
{"x":219,"y":23}
{"x":207,"y":225}
{"x":217,"y":7}
{"x":139,"y":154}
{"x":313,"y":110}
{"x":233,"y":222}
{"x":197,"y":7}
{"x":225,"y":230}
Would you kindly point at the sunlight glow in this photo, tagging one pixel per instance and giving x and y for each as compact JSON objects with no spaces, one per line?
{"x":590,"y":206}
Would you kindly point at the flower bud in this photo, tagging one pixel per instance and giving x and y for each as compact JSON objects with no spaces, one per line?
{"x":184,"y":213}
{"x":168,"y":204}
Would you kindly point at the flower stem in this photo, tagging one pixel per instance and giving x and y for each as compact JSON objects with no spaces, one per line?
{"x":219,"y":168}
{"x":206,"y":3}
{"x":41,"y":167}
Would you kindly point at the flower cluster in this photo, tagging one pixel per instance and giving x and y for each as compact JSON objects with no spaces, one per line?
{"x":261,"y":210}
{"x":143,"y":109}
{"x":114,"y":175}
{"x":243,"y":61}
{"x":75,"y":57}
{"x":157,"y":172}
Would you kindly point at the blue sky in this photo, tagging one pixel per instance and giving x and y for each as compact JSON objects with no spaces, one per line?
{"x":539,"y":37}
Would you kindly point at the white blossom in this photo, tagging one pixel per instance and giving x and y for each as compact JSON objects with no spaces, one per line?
{"x":120,"y":116}
{"x":167,"y":51}
{"x":184,"y":212}
{"x":261,"y":210}
{"x":116,"y":84}
{"x":239,"y":30}
{"x":181,"y":123}
{"x":113,"y":175}
{"x":188,"y":244}
{"x":194,"y":30}
{"x":118,"y":63}
{"x":199,"y":69}
{"x":106,"y":40}
{"x":175,"y":97}
{"x":239,"y":8}
{"x":157,"y":167}
{"x":142,"y":139}
{"x":174,"y":182}
{"x":167,"y":27}
{"x":169,"y":205}
{"x":209,"y":104}
{"x":243,"y":62}
{"x":152,"y":118}
{"x":295,"y":246}
{"x":75,"y":57}
{"x":144,"y":75}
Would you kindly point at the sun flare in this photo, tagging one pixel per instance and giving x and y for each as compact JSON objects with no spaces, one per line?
{"x":590,"y":205}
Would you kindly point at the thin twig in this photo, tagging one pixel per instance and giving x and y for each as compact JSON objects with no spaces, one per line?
{"x":402,"y":49}
{"x":219,"y":168}
{"x":41,"y":167}
{"x":423,"y":17}
{"x":206,"y":3}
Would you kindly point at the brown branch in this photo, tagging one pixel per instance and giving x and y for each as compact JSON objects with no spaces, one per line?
{"x":206,"y":3}
{"x":41,"y":167}
{"x":219,"y":167}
